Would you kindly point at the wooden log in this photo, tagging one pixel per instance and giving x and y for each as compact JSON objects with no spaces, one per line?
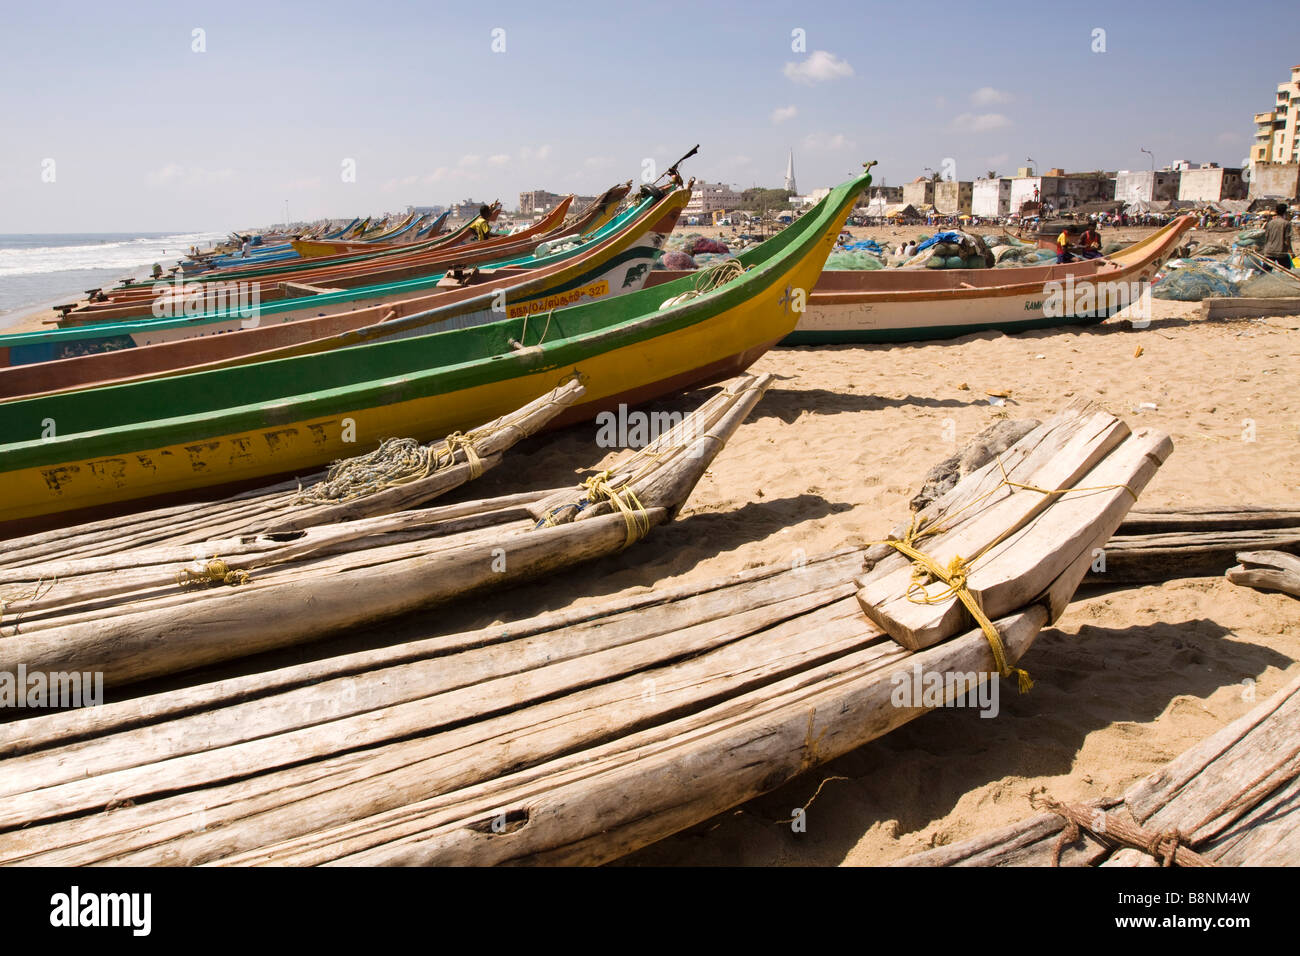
{"x":742,"y":589}
{"x":1153,"y":558}
{"x":1267,"y":570}
{"x":1218,"y":307}
{"x":583,"y":816}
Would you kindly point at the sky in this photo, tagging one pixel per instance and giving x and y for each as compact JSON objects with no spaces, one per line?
{"x":178,"y":116}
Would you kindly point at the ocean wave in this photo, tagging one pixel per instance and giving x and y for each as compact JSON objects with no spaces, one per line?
{"x":72,"y":255}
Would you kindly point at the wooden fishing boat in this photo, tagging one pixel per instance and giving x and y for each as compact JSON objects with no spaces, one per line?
{"x":405,"y":289}
{"x":202,"y":430}
{"x":1231,"y":800}
{"x":614,"y":262}
{"x":312,"y":563}
{"x":892,"y":305}
{"x":896,"y":305}
{"x":420,"y":261}
{"x":580,"y":735}
{"x":315,"y":248}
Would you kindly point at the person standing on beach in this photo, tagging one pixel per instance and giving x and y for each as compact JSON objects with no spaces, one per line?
{"x":1277,"y":237}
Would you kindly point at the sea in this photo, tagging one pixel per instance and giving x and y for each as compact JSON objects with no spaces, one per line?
{"x":43,"y":269}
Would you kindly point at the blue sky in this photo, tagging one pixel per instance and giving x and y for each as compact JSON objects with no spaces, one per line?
{"x":147,"y":134}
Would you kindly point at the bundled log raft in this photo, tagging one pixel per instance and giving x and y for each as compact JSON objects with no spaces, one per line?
{"x":1232,"y":800}
{"x":573,"y":737}
{"x":146,"y":612}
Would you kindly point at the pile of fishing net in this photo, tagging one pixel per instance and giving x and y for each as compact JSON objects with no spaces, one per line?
{"x":951,"y":249}
{"x":1012,"y":256}
{"x":1210,"y":249}
{"x":1110,"y":248}
{"x":856,"y":260}
{"x":1252,"y":238}
{"x":704,"y":259}
{"x":676,"y":261}
{"x":699,"y":244}
{"x":1191,"y":280}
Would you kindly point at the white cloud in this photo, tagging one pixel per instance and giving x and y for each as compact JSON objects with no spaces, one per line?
{"x":783,"y":113}
{"x":980,"y":122}
{"x":469,"y":160}
{"x":597,"y":162}
{"x":988,"y":96}
{"x":818,"y":67}
{"x":498,"y":159}
{"x":535,"y":154}
{"x":436,"y":176}
{"x":825,"y":143}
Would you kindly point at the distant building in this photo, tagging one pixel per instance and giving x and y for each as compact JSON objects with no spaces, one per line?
{"x":790,"y":187}
{"x":952,"y":198}
{"x":812,"y":199}
{"x":1061,"y":191}
{"x":1144,"y":185}
{"x":1211,"y":183}
{"x":466,"y":208}
{"x":707,"y":197}
{"x":538,"y":202}
{"x":919,"y":193}
{"x":1274,"y":181}
{"x":1277,"y":139}
{"x":890,"y":194}
{"x":425,"y":210}
{"x":991,"y":198}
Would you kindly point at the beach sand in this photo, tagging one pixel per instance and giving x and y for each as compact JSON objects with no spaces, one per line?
{"x":1126,"y":680}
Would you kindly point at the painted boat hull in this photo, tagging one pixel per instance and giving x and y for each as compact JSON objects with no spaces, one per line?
{"x":854,"y":307}
{"x":294,"y":415}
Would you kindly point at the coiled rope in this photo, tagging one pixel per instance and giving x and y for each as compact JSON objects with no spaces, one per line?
{"x":396,"y":462}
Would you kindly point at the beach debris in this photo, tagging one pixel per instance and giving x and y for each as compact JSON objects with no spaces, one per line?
{"x":1137,"y":352}
{"x":1267,"y":571}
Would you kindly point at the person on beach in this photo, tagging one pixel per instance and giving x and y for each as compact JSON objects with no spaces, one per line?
{"x":1277,"y":237}
{"x":1063,"y":254}
{"x":481,"y":226}
{"x":1091,"y":241}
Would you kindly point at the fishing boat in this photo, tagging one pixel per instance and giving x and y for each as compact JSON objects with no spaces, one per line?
{"x":315,"y":248}
{"x":585,"y":733}
{"x":289,"y":578}
{"x":189,"y":432}
{"x":415,"y":261}
{"x":895,"y":305}
{"x":909,"y":305}
{"x":613,"y":261}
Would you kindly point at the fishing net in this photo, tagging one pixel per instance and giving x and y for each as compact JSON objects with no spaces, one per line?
{"x":704,"y":244}
{"x":1191,"y":281}
{"x":1270,"y":285}
{"x":1249,"y":237}
{"x":676,"y":261}
{"x":396,"y":461}
{"x":853,"y":261}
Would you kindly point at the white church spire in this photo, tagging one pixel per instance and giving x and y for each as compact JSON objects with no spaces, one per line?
{"x":789,"y":174}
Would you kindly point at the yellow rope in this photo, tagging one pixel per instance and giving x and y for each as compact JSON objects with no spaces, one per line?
{"x":958,"y":570}
{"x":634,"y":514}
{"x":215,"y":571}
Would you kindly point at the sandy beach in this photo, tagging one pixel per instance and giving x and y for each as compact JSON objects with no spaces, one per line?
{"x":1126,"y":680}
